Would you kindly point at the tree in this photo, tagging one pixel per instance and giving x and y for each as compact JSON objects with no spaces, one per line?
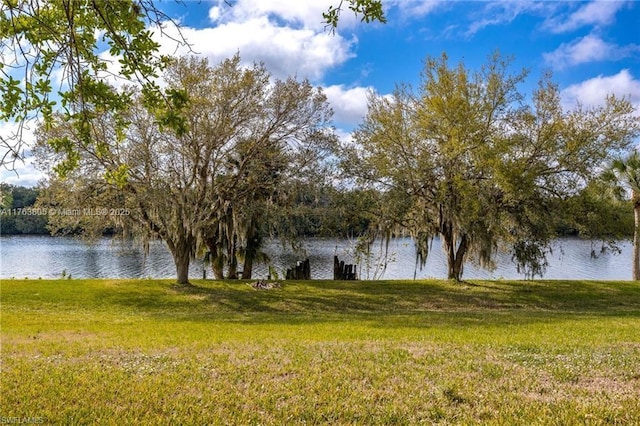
{"x":54,"y":47}
{"x":83,"y":205}
{"x":624,"y":176}
{"x":19,"y":215}
{"x":6,"y":196}
{"x":292,"y":137}
{"x":242,"y":130}
{"x":62,"y":39}
{"x":465,"y":159}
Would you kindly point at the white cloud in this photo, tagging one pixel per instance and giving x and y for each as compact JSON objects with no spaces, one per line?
{"x":505,"y":11}
{"x":305,"y":14}
{"x":25,"y":174}
{"x":596,"y":13}
{"x":285,"y":50}
{"x":557,"y":20}
{"x":588,"y":49}
{"x":22,"y":173}
{"x":593,"y":92}
{"x":214,"y":13}
{"x":349,"y":105}
{"x":414,"y":8}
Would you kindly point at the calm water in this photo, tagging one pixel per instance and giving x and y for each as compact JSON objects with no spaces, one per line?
{"x":49,"y":257}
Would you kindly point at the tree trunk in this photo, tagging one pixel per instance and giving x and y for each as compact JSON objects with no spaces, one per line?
{"x":232,"y":271}
{"x":217,"y":265}
{"x":458,"y":260}
{"x":636,"y":239}
{"x":455,"y":265}
{"x":216,"y":257}
{"x":182,"y":259}
{"x":247,"y":267}
{"x":451,"y":262}
{"x":250,"y":251}
{"x":455,"y":256}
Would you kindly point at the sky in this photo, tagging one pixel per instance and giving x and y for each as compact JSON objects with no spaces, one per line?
{"x":592,"y":48}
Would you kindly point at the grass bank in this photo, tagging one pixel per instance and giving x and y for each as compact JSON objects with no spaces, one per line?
{"x":390,"y":352}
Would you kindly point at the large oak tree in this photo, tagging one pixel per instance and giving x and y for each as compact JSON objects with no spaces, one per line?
{"x":245,"y":134}
{"x":467,"y":159}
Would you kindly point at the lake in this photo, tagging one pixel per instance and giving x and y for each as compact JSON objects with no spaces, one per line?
{"x":50,"y":257}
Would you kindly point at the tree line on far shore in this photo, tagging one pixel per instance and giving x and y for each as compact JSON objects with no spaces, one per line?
{"x":321,"y":211}
{"x":329,"y":213}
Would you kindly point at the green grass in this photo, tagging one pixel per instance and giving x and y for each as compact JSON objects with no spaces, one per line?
{"x":320,"y":352}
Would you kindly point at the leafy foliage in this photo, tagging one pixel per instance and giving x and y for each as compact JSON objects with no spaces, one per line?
{"x":623,"y":176}
{"x":52,"y":63}
{"x":368,"y":10}
{"x":58,"y":56}
{"x":209,"y":185}
{"x":19,"y":214}
{"x":465,"y":159}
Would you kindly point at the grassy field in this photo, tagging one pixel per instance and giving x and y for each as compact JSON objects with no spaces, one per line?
{"x":320,"y":352}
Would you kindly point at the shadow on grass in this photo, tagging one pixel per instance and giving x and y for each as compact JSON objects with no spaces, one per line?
{"x":403,"y":303}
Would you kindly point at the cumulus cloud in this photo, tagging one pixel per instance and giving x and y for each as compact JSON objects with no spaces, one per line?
{"x":349,"y":105}
{"x":264,"y":33}
{"x":593,"y":92}
{"x":590,"y":48}
{"x":595,"y":13}
{"x":214,"y":13}
{"x":303,"y":14}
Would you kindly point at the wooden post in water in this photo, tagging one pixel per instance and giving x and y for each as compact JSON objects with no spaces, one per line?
{"x":342,"y":271}
{"x":302,"y":271}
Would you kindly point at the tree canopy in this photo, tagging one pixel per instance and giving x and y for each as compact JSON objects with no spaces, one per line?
{"x":466,"y":159}
{"x":205,"y":187}
{"x":53,"y":63}
{"x":623,"y":175}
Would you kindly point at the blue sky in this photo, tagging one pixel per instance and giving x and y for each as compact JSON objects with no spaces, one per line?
{"x":592,"y":48}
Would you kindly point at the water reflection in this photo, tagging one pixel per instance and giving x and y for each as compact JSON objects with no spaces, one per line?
{"x":48,"y":257}
{"x":91,"y":266}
